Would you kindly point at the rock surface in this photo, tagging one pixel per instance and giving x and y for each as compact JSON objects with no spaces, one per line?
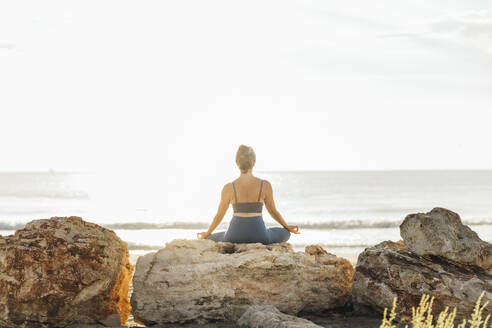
{"x":441,"y":233}
{"x":267,"y":316}
{"x":62,"y":271}
{"x":113,"y":320}
{"x":201,"y":280}
{"x":346,"y":321}
{"x":390,"y":270}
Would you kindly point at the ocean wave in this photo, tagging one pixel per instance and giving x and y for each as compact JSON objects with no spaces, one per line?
{"x":338,"y":224}
{"x":155,"y":226}
{"x":142,"y":247}
{"x":41,"y":194}
{"x":348,"y":224}
{"x":11,"y":226}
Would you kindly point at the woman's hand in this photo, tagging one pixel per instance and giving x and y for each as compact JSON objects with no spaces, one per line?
{"x":293,"y":229}
{"x":202,"y":235}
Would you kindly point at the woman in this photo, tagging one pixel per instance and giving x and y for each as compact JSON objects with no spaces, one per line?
{"x":247,"y":194}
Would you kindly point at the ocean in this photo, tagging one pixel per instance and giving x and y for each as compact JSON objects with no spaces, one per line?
{"x":342,"y":211}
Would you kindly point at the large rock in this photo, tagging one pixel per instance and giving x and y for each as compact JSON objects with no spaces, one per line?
{"x":390,"y":270}
{"x":267,"y":316}
{"x":441,"y":233}
{"x":202,"y":280}
{"x":63,"y":271}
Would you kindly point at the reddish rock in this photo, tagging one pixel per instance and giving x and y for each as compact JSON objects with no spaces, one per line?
{"x":61,"y":271}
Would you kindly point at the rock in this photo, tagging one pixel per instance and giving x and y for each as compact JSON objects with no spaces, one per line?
{"x":202,"y":280}
{"x":390,"y":270}
{"x":267,"y":316}
{"x":346,"y":321}
{"x":441,"y":233}
{"x":112,"y":320}
{"x":62,"y":271}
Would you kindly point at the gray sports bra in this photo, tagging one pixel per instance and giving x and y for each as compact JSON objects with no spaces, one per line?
{"x":255,"y":207}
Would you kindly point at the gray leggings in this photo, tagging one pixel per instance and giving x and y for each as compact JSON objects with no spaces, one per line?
{"x":251,"y":230}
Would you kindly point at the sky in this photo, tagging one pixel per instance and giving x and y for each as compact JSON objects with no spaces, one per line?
{"x":311,"y":85}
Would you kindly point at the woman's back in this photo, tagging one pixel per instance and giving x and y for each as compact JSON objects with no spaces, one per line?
{"x":248,"y":189}
{"x":246,"y":205}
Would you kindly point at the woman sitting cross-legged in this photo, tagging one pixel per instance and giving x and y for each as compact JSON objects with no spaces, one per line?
{"x":247,"y":194}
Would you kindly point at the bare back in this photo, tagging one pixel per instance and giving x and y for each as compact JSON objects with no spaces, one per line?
{"x":248,"y":189}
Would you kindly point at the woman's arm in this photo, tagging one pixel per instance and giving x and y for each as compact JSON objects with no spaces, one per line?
{"x":225,"y":199}
{"x":272,"y":209}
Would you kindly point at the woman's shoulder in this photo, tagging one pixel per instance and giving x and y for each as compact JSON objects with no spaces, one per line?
{"x":266,"y":184}
{"x":228,"y":185}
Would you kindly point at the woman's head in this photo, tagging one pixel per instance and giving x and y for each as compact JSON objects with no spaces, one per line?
{"x":245,"y":158}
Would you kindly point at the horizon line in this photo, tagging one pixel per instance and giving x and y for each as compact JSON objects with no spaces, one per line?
{"x":53,"y":171}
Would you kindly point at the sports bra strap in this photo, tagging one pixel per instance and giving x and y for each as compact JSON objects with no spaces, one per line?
{"x":235,"y":194}
{"x":261,"y":187}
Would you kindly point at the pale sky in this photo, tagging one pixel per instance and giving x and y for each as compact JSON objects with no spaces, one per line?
{"x":166,"y":85}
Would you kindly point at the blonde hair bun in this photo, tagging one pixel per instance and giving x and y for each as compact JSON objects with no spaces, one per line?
{"x":245,"y":157}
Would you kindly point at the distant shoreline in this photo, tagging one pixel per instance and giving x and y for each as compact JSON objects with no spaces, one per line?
{"x":418,"y":170}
